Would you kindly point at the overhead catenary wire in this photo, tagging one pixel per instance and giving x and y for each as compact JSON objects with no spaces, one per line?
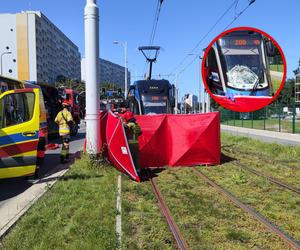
{"x":239,"y":14}
{"x":203,"y":37}
{"x":155,"y":23}
{"x":154,"y":27}
{"x":226,"y":27}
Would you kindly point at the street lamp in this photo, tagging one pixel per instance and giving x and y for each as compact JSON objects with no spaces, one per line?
{"x":124,"y":44}
{"x":4,"y":53}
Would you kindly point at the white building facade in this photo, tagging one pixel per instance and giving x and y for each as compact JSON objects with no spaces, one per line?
{"x":109,"y":72}
{"x":32,"y":48}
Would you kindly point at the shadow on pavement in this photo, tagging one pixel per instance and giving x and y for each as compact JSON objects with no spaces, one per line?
{"x":10,"y":188}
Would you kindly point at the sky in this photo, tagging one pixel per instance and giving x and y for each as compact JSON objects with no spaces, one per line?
{"x":181,"y":26}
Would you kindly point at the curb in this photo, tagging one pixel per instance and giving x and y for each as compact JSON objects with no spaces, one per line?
{"x":41,"y":186}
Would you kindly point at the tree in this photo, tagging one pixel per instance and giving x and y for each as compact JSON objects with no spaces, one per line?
{"x":287,"y":94}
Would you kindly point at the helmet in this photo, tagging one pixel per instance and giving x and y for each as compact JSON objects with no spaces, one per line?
{"x":128,"y":117}
{"x":66,"y":103}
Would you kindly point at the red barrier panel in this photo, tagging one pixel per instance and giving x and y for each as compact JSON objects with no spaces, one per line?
{"x":244,"y":103}
{"x":179,"y":140}
{"x":117,"y":145}
{"x":166,"y":140}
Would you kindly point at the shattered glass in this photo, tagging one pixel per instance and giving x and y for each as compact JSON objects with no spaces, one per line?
{"x":242,"y":77}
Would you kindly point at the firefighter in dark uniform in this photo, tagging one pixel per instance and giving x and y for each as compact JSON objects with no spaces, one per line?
{"x":64,"y":120}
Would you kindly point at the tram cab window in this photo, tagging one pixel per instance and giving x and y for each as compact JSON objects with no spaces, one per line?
{"x":16,"y":109}
{"x":213,"y":66}
{"x":213,"y":73}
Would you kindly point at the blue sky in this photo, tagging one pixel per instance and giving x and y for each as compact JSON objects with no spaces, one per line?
{"x":181,"y":26}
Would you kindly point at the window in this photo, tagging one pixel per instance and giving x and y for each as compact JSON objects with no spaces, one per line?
{"x":16,"y":109}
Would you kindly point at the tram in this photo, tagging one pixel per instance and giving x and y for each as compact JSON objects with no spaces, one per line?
{"x":150,"y":96}
{"x":237,"y":65}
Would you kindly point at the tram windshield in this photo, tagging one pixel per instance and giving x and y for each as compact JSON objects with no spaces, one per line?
{"x":155,"y":104}
{"x":242,"y":61}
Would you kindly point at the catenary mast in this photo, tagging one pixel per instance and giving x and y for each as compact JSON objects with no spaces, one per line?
{"x":91,"y":24}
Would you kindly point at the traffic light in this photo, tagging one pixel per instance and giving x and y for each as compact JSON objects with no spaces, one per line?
{"x":103,"y":91}
{"x":119,"y":92}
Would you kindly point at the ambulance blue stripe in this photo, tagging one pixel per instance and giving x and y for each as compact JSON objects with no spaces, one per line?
{"x":15,"y":138}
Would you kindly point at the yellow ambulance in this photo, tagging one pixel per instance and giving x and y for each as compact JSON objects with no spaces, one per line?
{"x":23,"y":128}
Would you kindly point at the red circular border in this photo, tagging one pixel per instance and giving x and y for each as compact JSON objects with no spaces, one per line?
{"x":256,"y":30}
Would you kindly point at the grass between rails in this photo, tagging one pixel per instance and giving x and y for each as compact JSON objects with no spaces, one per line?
{"x":208,"y":220}
{"x":283,"y":156}
{"x":288,"y":174}
{"x":279,"y":205}
{"x":143,"y":225}
{"x":77,"y":213}
{"x":276,"y":204}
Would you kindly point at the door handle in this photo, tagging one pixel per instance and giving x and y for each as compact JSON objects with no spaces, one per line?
{"x":29,"y":133}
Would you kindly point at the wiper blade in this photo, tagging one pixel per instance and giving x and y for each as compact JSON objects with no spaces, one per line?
{"x":254,"y":87}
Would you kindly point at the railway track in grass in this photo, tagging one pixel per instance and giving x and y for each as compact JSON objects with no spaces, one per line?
{"x":258,"y":156}
{"x":181,"y":242}
{"x":275,"y":181}
{"x":268,"y":224}
{"x":269,"y":178}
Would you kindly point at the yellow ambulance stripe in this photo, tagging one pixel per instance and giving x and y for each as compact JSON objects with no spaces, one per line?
{"x":16,"y":172}
{"x":30,"y":153}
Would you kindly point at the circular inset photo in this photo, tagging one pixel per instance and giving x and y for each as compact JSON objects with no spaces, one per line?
{"x":244,"y":69}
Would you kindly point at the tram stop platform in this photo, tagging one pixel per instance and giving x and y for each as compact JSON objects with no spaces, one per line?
{"x":264,"y":135}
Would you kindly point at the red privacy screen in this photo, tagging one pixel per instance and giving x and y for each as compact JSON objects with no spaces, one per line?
{"x":179,"y":140}
{"x":166,"y":140}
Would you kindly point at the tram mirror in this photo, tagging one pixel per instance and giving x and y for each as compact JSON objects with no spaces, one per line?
{"x":271,"y":49}
{"x":214,"y":77}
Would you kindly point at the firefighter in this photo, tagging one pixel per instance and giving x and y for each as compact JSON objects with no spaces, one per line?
{"x":133,"y":131}
{"x":65,"y":121}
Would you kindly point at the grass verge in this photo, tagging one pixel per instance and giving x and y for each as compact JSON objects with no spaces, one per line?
{"x":77,"y":213}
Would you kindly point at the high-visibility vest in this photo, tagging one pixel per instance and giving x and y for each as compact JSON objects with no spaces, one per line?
{"x":62,"y":119}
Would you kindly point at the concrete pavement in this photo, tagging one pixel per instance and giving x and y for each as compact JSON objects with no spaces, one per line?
{"x":18,"y":195}
{"x":264,"y":135}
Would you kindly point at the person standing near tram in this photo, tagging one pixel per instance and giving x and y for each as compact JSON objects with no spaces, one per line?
{"x":64,"y":120}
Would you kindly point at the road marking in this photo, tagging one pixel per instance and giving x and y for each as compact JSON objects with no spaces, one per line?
{"x":119,"y":212}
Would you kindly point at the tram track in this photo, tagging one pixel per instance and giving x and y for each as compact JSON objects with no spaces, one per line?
{"x":273,"y":180}
{"x":251,"y":211}
{"x":181,"y":242}
{"x":259,"y":156}
{"x":269,"y":178}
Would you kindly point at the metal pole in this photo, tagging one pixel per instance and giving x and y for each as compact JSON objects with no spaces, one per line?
{"x":126,"y":83}
{"x":203,"y":98}
{"x":208,"y":102}
{"x":91,"y":24}
{"x":176,"y":94}
{"x":199,"y":83}
{"x":294,"y":116}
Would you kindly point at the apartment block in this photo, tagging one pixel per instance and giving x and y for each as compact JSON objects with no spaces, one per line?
{"x":109,"y":72}
{"x":32,"y":48}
